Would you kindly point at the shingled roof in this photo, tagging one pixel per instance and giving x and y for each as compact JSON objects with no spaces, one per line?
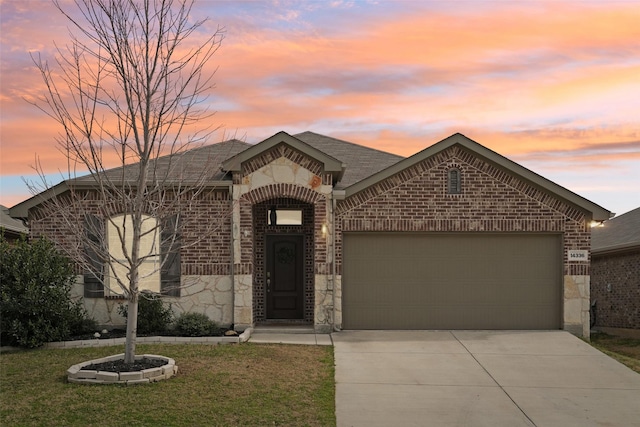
{"x":619,"y":233}
{"x":11,"y":224}
{"x":188,"y":165}
{"x":354,"y":167}
{"x":361,"y":162}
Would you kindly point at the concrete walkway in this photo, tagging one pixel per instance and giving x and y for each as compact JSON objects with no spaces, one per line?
{"x":289,"y":338}
{"x":480,"y":378}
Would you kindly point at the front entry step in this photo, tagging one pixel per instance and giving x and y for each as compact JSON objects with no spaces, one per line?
{"x":274,"y":328}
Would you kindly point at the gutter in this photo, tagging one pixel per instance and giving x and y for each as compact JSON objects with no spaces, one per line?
{"x":624,"y":247}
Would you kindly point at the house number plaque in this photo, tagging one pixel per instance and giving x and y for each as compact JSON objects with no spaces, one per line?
{"x":578,"y":255}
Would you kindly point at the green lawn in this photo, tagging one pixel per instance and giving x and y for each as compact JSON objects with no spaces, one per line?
{"x":624,"y":350}
{"x":224,"y":385}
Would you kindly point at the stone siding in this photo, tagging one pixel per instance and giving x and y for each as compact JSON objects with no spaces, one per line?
{"x":287,"y":179}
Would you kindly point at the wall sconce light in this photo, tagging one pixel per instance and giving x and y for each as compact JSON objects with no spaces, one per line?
{"x":594,"y":223}
{"x":324,"y":230}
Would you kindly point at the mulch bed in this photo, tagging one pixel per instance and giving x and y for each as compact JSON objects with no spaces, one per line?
{"x":119,"y":365}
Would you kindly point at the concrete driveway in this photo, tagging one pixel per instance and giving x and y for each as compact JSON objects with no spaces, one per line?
{"x":480,"y":378}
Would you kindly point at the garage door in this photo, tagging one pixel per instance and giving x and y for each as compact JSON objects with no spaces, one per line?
{"x":451,"y":281}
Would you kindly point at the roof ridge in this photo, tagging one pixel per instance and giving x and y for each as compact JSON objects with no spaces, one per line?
{"x":350,"y":143}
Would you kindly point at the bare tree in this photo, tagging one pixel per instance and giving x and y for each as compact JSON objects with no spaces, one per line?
{"x":126,"y":90}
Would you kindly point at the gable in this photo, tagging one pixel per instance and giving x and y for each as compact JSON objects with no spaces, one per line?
{"x":517,"y":177}
{"x":283,"y":144}
{"x":488,"y":195}
{"x":282,"y":170}
{"x":281,"y":154}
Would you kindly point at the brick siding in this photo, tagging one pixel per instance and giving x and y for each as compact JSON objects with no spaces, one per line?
{"x":206,"y":230}
{"x":615,"y":285}
{"x":491,"y":200}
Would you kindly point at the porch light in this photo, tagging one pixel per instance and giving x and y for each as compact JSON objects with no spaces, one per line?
{"x":324,"y":230}
{"x":595,"y":223}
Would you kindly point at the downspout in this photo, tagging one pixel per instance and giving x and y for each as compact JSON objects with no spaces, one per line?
{"x":233,"y":261}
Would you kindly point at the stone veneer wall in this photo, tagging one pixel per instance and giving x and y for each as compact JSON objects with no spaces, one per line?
{"x":615,"y":285}
{"x":278,"y":174}
{"x":492,"y":200}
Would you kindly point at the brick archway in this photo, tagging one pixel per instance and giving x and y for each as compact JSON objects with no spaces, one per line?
{"x":254,"y":206}
{"x":276,"y":191}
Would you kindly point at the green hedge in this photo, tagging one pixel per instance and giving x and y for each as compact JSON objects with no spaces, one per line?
{"x":35,"y":295}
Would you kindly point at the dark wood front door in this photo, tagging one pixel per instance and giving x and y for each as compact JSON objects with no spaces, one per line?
{"x":284,"y":277}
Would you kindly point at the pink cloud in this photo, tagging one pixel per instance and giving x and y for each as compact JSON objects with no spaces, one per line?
{"x":522,"y":78}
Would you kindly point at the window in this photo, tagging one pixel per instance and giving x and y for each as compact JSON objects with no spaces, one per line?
{"x":284,"y":217}
{"x":149,"y":272}
{"x":161,"y":245}
{"x":454,"y":178}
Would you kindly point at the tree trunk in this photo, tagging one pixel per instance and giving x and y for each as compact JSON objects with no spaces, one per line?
{"x":132,"y":329}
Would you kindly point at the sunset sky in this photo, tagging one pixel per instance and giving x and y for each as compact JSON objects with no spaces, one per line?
{"x":552,"y":85}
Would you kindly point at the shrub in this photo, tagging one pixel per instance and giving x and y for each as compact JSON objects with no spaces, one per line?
{"x":153,"y":316}
{"x":35,"y":294}
{"x":195,"y":325}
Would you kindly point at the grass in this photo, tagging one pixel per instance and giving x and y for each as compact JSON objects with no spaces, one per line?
{"x":624,"y":350}
{"x":224,"y":385}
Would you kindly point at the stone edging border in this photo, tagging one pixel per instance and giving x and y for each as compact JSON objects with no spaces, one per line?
{"x":75,"y":374}
{"x":243,"y":337}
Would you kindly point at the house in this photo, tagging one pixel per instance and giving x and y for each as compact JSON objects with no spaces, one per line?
{"x":332,"y":234}
{"x":615,"y":272}
{"x":11,"y":227}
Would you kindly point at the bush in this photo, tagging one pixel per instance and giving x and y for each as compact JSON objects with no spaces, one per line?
{"x":196,"y":325}
{"x":153,"y":316}
{"x":35,"y":294}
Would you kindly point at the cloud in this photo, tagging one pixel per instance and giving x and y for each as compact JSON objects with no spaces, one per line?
{"x":546,"y":83}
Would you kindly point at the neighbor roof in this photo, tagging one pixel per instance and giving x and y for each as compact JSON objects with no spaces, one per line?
{"x":619,"y":233}
{"x":11,"y":224}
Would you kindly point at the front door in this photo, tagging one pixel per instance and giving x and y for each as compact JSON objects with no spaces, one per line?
{"x":284,"y":276}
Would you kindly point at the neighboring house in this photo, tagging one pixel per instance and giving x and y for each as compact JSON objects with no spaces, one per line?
{"x":11,"y":228}
{"x":615,"y":272}
{"x":336,"y":235}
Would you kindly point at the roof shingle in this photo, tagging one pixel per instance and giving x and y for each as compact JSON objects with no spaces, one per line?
{"x":620,"y":232}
